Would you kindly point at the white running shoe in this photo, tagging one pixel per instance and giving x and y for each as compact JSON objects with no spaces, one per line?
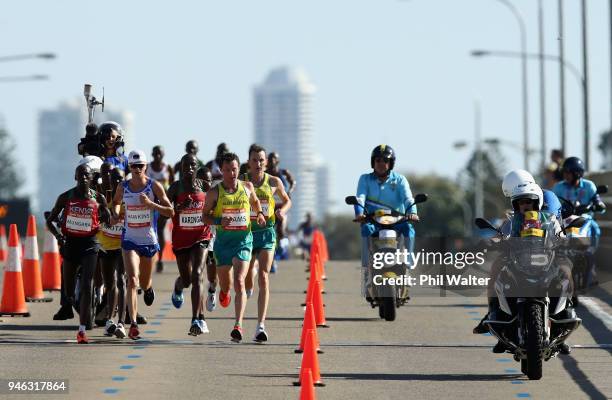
{"x":211,"y":301}
{"x":120,"y":331}
{"x":261,"y":335}
{"x":203,"y":326}
{"x":109,"y":328}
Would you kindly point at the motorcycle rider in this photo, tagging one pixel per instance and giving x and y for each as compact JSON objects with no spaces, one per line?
{"x":574,"y":188}
{"x":525,"y":195}
{"x":383,"y":189}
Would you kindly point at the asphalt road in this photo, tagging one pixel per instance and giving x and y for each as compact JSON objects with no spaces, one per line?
{"x":429,"y":352}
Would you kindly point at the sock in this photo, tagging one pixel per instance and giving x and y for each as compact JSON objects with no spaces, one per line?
{"x":82,"y":328}
{"x":212,"y":288}
{"x":201,"y":316}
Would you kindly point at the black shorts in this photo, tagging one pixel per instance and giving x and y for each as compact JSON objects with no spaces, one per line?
{"x":203,"y":244}
{"x":76,"y":247}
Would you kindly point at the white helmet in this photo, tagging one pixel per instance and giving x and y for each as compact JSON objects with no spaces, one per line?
{"x":93,"y":162}
{"x":528,"y":191}
{"x":514,"y":178}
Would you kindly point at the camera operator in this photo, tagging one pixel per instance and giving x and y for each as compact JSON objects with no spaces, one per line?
{"x":111,"y":139}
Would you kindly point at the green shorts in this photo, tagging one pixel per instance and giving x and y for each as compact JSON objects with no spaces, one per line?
{"x":226,"y":248}
{"x":264,"y":239}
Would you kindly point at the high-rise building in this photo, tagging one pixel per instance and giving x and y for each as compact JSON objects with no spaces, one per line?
{"x":59,"y":132}
{"x":325,"y":204}
{"x":283,"y":123}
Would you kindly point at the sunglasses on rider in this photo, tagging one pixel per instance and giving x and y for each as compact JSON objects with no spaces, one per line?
{"x":137,"y":166}
{"x":380,"y":159}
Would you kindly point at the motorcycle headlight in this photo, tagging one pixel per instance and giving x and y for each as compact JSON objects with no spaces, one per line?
{"x":532,"y":264}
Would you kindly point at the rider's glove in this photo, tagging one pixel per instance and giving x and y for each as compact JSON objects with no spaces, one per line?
{"x":599,"y":206}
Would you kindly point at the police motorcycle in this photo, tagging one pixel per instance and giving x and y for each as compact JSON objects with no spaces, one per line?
{"x":579,"y":238}
{"x":535,"y":317}
{"x":381,"y":290}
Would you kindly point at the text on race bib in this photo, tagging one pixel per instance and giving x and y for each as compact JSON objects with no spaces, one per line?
{"x":113,"y":231}
{"x":191,"y":218}
{"x":239,"y":219}
{"x":265,"y":206}
{"x":79,"y":223}
{"x":138,"y":216}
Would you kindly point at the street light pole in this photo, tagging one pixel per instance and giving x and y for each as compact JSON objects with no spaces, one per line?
{"x":542,"y":86}
{"x":45,"y":56}
{"x":521,"y":24}
{"x":478,"y":190}
{"x":585,"y":83}
{"x":562,"y":76}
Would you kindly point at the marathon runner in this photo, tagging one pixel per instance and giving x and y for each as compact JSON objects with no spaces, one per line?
{"x":191,"y":147}
{"x":215,"y":164}
{"x":83,"y":208}
{"x":228,"y":206}
{"x":164,"y":174}
{"x":264,"y":238}
{"x":110,"y":258}
{"x":139,"y":240}
{"x":205,"y":176}
{"x":190,"y":240}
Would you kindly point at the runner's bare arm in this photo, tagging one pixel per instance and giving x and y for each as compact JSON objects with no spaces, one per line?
{"x":209,"y":205}
{"x":171,"y":174}
{"x":164,"y":207}
{"x":53,"y":217}
{"x":290,"y":180}
{"x":117,"y":200}
{"x":280,"y":190}
{"x":103,"y":210}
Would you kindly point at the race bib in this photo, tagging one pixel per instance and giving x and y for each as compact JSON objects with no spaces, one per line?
{"x":79,"y":223}
{"x":239,"y":219}
{"x":113,"y":231}
{"x":138,"y":216}
{"x":191,"y":219}
{"x":264,"y":208}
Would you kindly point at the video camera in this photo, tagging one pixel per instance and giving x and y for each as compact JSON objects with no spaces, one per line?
{"x":95,"y":137}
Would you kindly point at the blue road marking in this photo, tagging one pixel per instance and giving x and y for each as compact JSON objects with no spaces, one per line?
{"x":156,"y":323}
{"x":134,"y":356}
{"x":139,"y":347}
{"x":517,"y":382}
{"x":160,"y":315}
{"x":487,"y":334}
{"x":473,"y":312}
{"x":126,"y":367}
{"x":119,"y":378}
{"x":150,"y":332}
{"x":503,"y":360}
{"x":511,"y":371}
{"x":523,"y":395}
{"x":110,"y":391}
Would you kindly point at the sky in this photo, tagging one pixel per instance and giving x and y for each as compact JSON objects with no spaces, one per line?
{"x":386,"y":71}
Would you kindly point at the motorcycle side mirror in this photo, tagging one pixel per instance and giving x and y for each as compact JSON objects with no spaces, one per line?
{"x":420,"y":198}
{"x":351,"y":200}
{"x":601,"y":189}
{"x":482,"y":223}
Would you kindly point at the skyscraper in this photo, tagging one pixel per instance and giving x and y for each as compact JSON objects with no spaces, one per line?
{"x":59,"y":132}
{"x":283,"y":123}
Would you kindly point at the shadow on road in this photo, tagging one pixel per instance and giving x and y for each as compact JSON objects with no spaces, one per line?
{"x":37,"y":328}
{"x":400,"y":377}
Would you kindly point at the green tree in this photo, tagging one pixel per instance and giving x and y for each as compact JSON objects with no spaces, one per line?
{"x":343,"y":237}
{"x":10,"y":181}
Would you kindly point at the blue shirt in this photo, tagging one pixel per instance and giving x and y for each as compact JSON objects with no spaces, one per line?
{"x":392,"y":194}
{"x":551,"y":203}
{"x":120,"y":162}
{"x":583,"y":193}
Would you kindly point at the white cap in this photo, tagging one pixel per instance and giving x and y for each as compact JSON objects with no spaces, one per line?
{"x":137,"y":157}
{"x":93,"y":162}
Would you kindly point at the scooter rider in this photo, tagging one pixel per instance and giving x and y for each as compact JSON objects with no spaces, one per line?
{"x":383,"y":189}
{"x":574,"y":188}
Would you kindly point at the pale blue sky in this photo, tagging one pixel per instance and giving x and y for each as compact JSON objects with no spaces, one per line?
{"x":386,"y":71}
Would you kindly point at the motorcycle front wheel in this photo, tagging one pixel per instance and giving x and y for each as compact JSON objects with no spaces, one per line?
{"x":388,"y":303}
{"x":534,"y":327}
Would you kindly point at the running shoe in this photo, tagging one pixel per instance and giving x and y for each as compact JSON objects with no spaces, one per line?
{"x":260,"y":334}
{"x":203,"y":326}
{"x":134,"y":333}
{"x":177,"y":298}
{"x":211,"y":301}
{"x":82,"y":338}
{"x":273,"y":268}
{"x":194,"y":329}
{"x":159,"y":267}
{"x":149,"y":296}
{"x":225,"y":298}
{"x":64,"y":313}
{"x":236,"y":334}
{"x":249,"y":293}
{"x":109,"y":328}
{"x":120,"y":331}
{"x":141,"y":319}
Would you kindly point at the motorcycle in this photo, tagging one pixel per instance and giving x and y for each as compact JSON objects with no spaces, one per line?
{"x":386,"y":296}
{"x":580,"y":241}
{"x":534,"y":317}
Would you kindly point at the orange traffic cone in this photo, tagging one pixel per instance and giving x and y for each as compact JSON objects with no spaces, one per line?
{"x":307,"y":392}
{"x":310,"y":360}
{"x":324,"y":248}
{"x":317,"y":302}
{"x":32,"y":283}
{"x":13,"y":299}
{"x":166,"y":253}
{"x":3,"y":244}
{"x":51,"y":264}
{"x":309,"y":323}
{"x":322,"y":255}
